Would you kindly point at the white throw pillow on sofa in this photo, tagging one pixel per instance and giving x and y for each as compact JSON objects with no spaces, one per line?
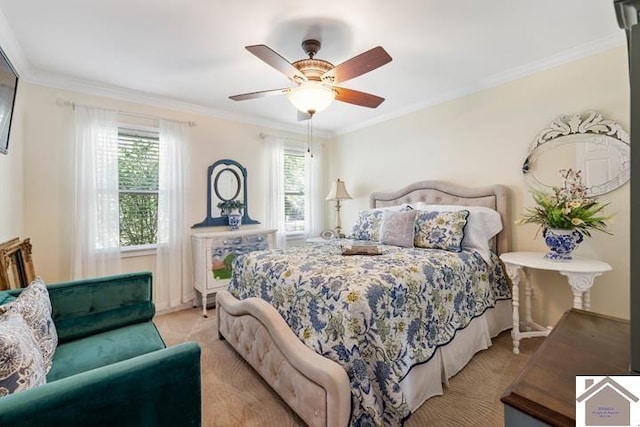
{"x":34,"y":306}
{"x":22,"y":365}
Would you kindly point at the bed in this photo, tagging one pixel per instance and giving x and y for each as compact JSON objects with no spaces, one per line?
{"x":390,"y":373}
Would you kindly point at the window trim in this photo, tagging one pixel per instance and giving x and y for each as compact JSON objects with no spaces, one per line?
{"x":138,"y":250}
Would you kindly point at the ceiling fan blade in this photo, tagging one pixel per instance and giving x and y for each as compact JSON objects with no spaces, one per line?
{"x":274,"y":59}
{"x":358,"y":65}
{"x":262,"y":93}
{"x":357,"y":98}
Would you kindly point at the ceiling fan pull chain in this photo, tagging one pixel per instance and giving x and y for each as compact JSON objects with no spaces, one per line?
{"x":309,"y":136}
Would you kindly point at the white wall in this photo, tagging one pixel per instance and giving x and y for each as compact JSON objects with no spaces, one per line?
{"x":482,"y":139}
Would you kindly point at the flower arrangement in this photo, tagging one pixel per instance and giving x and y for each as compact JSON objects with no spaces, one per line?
{"x":567,"y":208}
{"x":229,"y":205}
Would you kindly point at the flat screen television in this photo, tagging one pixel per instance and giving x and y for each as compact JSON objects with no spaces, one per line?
{"x":628,"y":15}
{"x":8,"y":86}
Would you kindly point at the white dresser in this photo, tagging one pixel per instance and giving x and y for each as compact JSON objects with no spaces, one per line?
{"x":214,"y":251}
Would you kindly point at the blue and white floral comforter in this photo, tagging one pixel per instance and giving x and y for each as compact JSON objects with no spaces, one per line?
{"x":377,"y":316}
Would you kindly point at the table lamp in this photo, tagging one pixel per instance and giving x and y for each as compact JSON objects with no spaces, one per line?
{"x":338,"y":192}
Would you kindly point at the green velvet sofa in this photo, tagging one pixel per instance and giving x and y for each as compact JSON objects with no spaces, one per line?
{"x":111,"y":366}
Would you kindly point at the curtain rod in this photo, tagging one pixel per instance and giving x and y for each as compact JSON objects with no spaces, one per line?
{"x":65,"y":103}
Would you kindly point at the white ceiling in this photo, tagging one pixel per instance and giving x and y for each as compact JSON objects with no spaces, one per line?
{"x":190,"y":54}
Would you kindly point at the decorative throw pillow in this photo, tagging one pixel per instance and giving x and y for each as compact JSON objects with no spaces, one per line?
{"x":482,"y":225}
{"x":21,"y":363}
{"x":367,"y":226}
{"x":34,"y":306}
{"x":398,"y":228}
{"x":440,"y":230}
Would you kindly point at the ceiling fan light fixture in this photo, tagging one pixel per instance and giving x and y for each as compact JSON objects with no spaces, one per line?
{"x":311,"y":97}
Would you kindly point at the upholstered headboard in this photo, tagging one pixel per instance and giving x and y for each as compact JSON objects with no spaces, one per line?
{"x":444,"y":193}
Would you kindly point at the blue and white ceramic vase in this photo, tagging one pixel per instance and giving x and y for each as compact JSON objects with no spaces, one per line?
{"x":235,"y":219}
{"x":561,"y":242}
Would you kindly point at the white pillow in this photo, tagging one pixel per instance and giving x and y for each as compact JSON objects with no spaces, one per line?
{"x":22,"y":364}
{"x":34,"y":306}
{"x":482,"y":225}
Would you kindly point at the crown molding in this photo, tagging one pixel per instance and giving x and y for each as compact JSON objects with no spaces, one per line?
{"x":581,"y":51}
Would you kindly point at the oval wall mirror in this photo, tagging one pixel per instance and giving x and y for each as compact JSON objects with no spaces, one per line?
{"x":597,"y":147}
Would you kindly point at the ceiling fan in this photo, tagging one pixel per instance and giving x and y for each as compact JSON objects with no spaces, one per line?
{"x":316,"y":78}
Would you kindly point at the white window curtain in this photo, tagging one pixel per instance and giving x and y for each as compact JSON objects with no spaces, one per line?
{"x":171,"y":284}
{"x":274,"y":188}
{"x":96,"y":210}
{"x":313,"y":185}
{"x":274,"y":179}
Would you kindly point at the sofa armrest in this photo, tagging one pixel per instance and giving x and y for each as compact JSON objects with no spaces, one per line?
{"x":89,"y":306}
{"x":161,"y":388}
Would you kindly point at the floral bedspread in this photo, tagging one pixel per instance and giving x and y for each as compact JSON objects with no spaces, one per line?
{"x":377,"y":316}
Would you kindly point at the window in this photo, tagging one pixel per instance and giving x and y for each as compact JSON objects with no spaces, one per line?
{"x":294,"y":191}
{"x":138,"y":165}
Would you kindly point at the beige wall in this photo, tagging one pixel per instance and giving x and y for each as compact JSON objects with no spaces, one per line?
{"x":482,"y":139}
{"x":45,"y":134}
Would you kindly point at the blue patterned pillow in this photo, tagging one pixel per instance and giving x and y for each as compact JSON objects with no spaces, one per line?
{"x":367,"y":226}
{"x":440,"y":230}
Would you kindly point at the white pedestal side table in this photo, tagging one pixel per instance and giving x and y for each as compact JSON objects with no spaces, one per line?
{"x":579,"y":271}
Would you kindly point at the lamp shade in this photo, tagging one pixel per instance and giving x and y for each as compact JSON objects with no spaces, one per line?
{"x":311,"y":97}
{"x":338,"y":191}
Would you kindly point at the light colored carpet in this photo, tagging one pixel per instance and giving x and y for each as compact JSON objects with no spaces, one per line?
{"x":234,"y":395}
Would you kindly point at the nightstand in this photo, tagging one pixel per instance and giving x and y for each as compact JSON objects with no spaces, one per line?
{"x":579,"y":271}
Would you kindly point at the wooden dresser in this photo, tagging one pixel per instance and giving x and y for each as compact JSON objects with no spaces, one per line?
{"x":582,"y":343}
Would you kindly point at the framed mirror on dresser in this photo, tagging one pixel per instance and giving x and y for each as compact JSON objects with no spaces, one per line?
{"x":226,"y":182}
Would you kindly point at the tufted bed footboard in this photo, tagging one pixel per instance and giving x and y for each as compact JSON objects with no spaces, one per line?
{"x":316,"y":388}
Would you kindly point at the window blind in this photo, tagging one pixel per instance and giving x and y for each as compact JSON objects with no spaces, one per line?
{"x":138,"y":166}
{"x":294,"y":191}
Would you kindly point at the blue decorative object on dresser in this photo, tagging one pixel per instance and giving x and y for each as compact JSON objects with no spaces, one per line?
{"x":235,"y":220}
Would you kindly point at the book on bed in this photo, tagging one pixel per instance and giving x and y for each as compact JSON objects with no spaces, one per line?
{"x":362,"y":250}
